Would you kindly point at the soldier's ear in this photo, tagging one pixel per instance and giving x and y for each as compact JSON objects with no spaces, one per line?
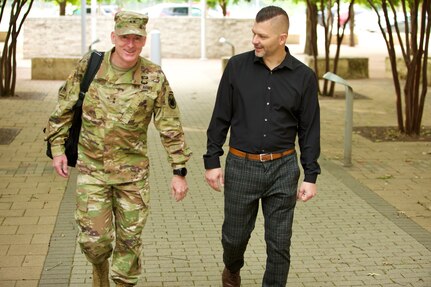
{"x":113,"y":37}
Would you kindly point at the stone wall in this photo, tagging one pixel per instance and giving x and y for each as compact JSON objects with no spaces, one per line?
{"x":50,"y":68}
{"x":402,"y":69}
{"x":180,"y":36}
{"x":347,"y":68}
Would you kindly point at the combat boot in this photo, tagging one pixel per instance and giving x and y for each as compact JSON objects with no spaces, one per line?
{"x":101,"y":274}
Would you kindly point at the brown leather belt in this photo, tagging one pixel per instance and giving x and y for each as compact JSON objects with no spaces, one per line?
{"x":260,"y":157}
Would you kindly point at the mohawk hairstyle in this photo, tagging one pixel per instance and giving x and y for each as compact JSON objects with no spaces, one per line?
{"x":270,"y":12}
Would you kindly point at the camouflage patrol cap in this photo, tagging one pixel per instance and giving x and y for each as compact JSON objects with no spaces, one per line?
{"x":127,"y":22}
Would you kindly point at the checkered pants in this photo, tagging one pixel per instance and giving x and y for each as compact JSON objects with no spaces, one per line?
{"x":274,"y":183}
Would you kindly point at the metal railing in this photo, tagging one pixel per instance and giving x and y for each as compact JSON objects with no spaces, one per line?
{"x":348,"y":120}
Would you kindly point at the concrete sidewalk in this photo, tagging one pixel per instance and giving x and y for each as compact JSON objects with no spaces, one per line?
{"x":365,"y":227}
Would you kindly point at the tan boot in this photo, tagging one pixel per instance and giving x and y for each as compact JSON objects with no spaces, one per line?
{"x":101,"y":274}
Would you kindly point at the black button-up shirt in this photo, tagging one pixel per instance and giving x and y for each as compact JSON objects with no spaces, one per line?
{"x":265,"y":110}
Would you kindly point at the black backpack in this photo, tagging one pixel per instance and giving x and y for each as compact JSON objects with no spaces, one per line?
{"x":71,"y":143}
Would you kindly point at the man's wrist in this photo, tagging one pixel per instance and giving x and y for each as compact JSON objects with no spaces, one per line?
{"x":57,"y":150}
{"x":211,"y":163}
{"x":311,"y":178}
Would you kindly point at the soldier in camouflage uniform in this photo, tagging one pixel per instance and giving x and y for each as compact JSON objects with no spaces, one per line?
{"x":113,"y":167}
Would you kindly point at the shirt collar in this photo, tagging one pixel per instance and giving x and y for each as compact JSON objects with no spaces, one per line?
{"x":286,"y":63}
{"x":106,"y":65}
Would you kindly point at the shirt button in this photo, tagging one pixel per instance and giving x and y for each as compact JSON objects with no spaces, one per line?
{"x":267,"y":103}
{"x":269,"y":88}
{"x":266,"y":120}
{"x":264,"y":135}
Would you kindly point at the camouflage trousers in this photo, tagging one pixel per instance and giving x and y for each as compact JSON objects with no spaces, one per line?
{"x":105,"y":212}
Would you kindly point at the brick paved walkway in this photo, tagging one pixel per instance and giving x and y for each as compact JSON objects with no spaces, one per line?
{"x":347,"y":236}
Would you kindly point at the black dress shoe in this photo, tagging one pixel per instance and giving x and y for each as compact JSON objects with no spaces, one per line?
{"x":230,"y":279}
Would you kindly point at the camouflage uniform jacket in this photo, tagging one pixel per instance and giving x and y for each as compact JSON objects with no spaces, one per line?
{"x":117,"y":110}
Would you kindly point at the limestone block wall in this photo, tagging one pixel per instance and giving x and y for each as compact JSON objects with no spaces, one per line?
{"x":49,"y":68}
{"x":348,"y":68}
{"x":180,"y":36}
{"x":402,"y":69}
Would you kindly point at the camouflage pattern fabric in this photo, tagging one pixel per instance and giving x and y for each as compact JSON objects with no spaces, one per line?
{"x":113,"y":165}
{"x":96,"y":205}
{"x":128,"y":22}
{"x":117,"y":110}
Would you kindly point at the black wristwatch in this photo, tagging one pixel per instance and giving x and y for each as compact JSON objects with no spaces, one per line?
{"x":180,"y":171}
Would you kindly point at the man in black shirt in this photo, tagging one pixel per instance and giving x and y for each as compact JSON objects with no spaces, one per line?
{"x":266,"y":97}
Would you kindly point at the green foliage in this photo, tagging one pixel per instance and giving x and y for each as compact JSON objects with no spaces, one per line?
{"x":212,"y":3}
{"x":222,"y":3}
{"x":74,"y":2}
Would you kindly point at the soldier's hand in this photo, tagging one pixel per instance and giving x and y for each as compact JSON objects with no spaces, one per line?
{"x":215,"y":178}
{"x":60,"y":165}
{"x":179,"y":187}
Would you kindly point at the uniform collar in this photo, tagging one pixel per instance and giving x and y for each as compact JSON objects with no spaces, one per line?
{"x":133,"y":76}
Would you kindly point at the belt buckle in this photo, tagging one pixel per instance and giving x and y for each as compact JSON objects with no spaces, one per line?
{"x":265,"y":154}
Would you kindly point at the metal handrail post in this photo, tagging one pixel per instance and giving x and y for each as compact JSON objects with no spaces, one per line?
{"x":155,"y":49}
{"x":348,"y":120}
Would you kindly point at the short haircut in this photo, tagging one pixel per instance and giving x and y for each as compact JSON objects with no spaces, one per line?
{"x":270,"y":12}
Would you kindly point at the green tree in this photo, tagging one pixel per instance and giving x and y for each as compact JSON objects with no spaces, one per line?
{"x":414,"y":46}
{"x":312,"y":11}
{"x":331,"y":28}
{"x":223,"y":4}
{"x":19,"y":10}
{"x":310,"y":47}
{"x":63,"y":4}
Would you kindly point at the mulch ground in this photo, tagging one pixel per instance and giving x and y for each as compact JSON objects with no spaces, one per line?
{"x":392,"y":134}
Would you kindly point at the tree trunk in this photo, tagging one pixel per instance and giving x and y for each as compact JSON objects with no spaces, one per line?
{"x":341,"y":29}
{"x":223,"y":6}
{"x":352,"y":26}
{"x":8,"y":59}
{"x":310,"y":47}
{"x":327,"y":21}
{"x":414,"y":53}
{"x":62,"y":5}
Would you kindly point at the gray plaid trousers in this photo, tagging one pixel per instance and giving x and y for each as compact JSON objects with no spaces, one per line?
{"x":274,"y":183}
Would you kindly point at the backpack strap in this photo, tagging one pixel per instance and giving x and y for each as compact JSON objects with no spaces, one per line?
{"x":93,"y":66}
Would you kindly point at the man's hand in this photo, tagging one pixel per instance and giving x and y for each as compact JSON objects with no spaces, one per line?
{"x":215,"y":178}
{"x":306,"y":191}
{"x":179,"y":187}
{"x":60,"y":165}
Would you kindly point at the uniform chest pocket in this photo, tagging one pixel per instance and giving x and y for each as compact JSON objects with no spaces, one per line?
{"x":139,"y":109}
